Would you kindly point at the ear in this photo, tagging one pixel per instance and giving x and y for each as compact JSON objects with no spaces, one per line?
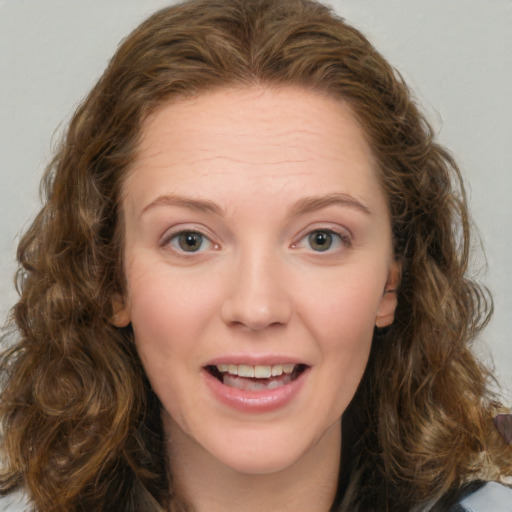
{"x":120,"y":312}
{"x":388,"y":302}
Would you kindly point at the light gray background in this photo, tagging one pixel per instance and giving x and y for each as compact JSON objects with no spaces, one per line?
{"x":455,"y":54}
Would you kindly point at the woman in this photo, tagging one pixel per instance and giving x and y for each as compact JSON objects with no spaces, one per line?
{"x":244,"y":289}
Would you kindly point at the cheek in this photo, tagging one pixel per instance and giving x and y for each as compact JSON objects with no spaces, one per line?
{"x":168,"y":314}
{"x":161,"y":297}
{"x":342,"y":308}
{"x":346,"y":339}
{"x":342,"y":318}
{"x":168,"y":320}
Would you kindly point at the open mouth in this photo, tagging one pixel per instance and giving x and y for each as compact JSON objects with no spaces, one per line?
{"x":256,"y":378}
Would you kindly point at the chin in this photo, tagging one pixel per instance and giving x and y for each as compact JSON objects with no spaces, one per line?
{"x":264,"y":463}
{"x":265,"y":451}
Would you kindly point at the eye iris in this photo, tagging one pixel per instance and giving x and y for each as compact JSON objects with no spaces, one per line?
{"x":190,"y":242}
{"x":320,"y":240}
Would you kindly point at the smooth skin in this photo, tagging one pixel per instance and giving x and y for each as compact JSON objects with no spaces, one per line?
{"x":255,"y":227}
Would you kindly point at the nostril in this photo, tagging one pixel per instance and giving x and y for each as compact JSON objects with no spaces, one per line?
{"x":256,"y":304}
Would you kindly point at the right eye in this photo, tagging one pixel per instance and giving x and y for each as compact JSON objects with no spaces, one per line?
{"x":189,"y":241}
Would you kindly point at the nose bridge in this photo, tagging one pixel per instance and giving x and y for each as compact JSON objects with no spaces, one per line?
{"x":257,"y":295}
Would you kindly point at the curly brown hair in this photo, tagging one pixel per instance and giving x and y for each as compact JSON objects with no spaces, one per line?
{"x":80,"y":424}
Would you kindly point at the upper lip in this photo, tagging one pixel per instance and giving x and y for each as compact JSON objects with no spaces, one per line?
{"x":255,"y":360}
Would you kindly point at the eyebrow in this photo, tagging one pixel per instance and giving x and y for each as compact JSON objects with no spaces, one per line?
{"x":201,"y":205}
{"x":309,"y":204}
{"x":302,"y":206}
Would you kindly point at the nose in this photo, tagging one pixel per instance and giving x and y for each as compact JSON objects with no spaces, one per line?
{"x":257,"y":295}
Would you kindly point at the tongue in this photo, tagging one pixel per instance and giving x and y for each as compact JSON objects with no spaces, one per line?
{"x":249,"y":384}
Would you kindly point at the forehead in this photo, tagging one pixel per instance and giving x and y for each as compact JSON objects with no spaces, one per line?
{"x":271,"y":137}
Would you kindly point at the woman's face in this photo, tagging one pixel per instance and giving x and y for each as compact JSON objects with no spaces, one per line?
{"x":258,"y":252}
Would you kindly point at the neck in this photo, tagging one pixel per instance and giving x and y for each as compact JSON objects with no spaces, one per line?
{"x":210,"y":486}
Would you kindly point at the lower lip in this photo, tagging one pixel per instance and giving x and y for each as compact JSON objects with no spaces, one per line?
{"x":255,"y":401}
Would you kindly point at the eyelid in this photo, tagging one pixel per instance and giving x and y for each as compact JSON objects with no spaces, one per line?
{"x":344,"y":235}
{"x":175,"y":231}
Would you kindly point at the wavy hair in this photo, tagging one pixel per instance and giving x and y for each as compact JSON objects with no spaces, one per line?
{"x":80,"y":425}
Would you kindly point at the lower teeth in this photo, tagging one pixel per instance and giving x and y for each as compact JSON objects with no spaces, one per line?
{"x":248,"y":384}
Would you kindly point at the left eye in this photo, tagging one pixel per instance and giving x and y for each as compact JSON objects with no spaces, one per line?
{"x":189,"y":241}
{"x":322,"y":240}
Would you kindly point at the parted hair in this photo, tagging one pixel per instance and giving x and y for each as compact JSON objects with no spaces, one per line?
{"x":81,"y":426}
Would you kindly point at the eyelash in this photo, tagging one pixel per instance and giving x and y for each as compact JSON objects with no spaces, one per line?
{"x":173,"y":238}
{"x":342,"y":238}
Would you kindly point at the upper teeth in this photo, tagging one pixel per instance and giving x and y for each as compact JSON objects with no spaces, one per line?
{"x":259,"y":371}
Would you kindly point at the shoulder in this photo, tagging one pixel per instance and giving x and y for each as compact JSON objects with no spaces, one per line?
{"x":491,"y":497}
